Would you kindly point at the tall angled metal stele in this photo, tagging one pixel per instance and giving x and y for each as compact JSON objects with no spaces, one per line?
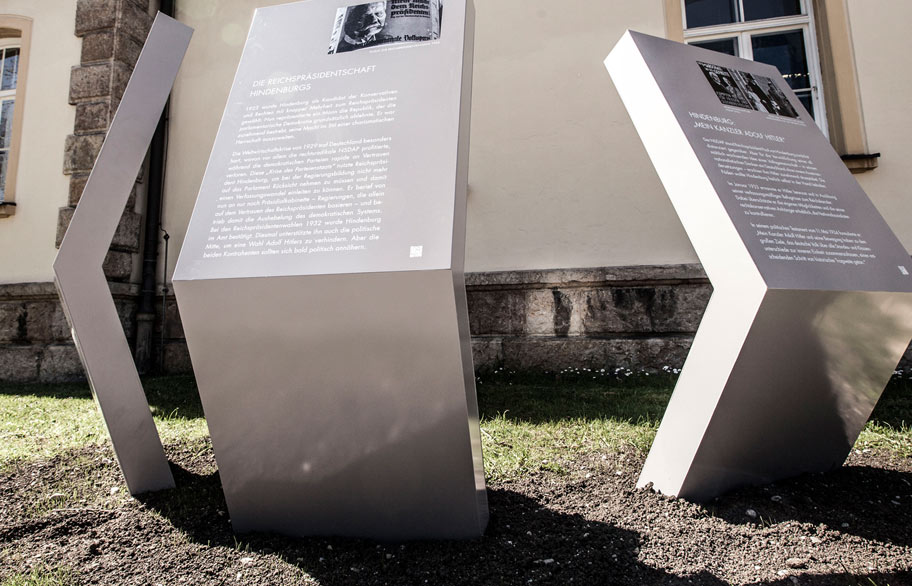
{"x":812,"y":302}
{"x":81,"y":283}
{"x":320,"y":283}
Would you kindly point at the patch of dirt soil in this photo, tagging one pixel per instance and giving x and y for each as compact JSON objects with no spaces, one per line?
{"x":587,"y":525}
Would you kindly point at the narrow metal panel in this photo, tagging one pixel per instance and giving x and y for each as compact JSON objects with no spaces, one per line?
{"x":83,"y":289}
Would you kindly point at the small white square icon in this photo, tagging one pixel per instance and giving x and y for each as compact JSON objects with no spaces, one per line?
{"x":903,"y":270}
{"x":416,"y":251}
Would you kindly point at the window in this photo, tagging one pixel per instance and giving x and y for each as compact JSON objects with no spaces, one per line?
{"x":777,"y":32}
{"x":9,"y":74}
{"x":15,"y":34}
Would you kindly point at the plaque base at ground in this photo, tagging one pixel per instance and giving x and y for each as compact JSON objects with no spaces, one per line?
{"x":777,"y":383}
{"x":812,"y":294}
{"x":338,"y":404}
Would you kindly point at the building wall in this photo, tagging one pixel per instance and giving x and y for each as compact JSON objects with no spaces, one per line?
{"x":81,"y":56}
{"x":28,"y":237}
{"x":882,"y":46}
{"x":576,"y":258}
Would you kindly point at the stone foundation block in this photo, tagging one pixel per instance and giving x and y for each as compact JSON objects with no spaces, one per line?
{"x":39,"y":320}
{"x":666,"y":308}
{"x":555,"y":354}
{"x":135,"y":20}
{"x":174,"y":329}
{"x":126,"y":237}
{"x":60,"y":363}
{"x":77,"y":186}
{"x":80,"y":152}
{"x":93,"y":15}
{"x":106,"y":45}
{"x":12,"y":322}
{"x":118,"y":265}
{"x":19,"y":363}
{"x":64,"y":216}
{"x":90,"y":81}
{"x":177,"y":358}
{"x":487,"y":354}
{"x":501,"y":312}
{"x":93,"y":117}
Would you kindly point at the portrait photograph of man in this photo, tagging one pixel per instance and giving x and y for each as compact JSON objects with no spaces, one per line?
{"x":380,"y":23}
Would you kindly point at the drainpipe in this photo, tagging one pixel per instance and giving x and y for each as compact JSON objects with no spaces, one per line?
{"x":145,"y":315}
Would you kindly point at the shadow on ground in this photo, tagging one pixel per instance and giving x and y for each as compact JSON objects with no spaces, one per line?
{"x":525,"y":542}
{"x":872,"y":503}
{"x":173,"y":396}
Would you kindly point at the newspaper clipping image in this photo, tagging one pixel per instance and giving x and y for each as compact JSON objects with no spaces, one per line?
{"x":747,"y":90}
{"x":380,"y":23}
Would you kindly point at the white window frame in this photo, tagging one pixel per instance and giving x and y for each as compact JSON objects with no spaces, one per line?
{"x":15,"y":31}
{"x":10,"y":43}
{"x":744,"y":30}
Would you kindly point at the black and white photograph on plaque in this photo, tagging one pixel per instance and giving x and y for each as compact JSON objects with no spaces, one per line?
{"x":382,"y":23}
{"x":763,"y":90}
{"x":723,"y":83}
{"x":747,"y":90}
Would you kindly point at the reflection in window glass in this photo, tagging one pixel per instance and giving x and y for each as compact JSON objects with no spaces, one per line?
{"x":758,"y":9}
{"x":727,"y":46}
{"x":710,"y":12}
{"x":786,"y":52}
{"x":3,"y":159}
{"x":807,"y":101}
{"x":6,"y":124}
{"x":10,"y":69}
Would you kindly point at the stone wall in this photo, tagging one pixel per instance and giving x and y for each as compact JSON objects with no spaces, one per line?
{"x":633,"y":317}
{"x":35,"y":341}
{"x":638,"y":317}
{"x":642,"y":318}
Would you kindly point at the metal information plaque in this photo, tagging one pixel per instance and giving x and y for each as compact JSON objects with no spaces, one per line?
{"x":81,"y":283}
{"x":812,"y":302}
{"x":321,"y":281}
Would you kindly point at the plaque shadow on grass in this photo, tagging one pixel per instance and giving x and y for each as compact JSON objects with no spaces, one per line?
{"x":174,"y":397}
{"x":524,"y":542}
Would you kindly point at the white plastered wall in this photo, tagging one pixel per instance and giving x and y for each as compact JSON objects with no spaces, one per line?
{"x":882,"y":46}
{"x":27,"y":238}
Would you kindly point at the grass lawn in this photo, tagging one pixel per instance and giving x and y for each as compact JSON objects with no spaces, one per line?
{"x":528,"y":423}
{"x":531,"y":428}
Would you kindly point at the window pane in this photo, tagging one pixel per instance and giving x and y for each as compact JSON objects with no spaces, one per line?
{"x":727,"y":46}
{"x":807,"y":102}
{"x":10,"y":70}
{"x":785,"y":51}
{"x":757,"y":9}
{"x":3,"y":157}
{"x":709,"y":12}
{"x":6,"y":123}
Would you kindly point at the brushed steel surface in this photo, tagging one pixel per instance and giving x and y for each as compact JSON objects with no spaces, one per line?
{"x":339,"y":388}
{"x":337,"y":404}
{"x":82,"y":286}
{"x":790,"y":358}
